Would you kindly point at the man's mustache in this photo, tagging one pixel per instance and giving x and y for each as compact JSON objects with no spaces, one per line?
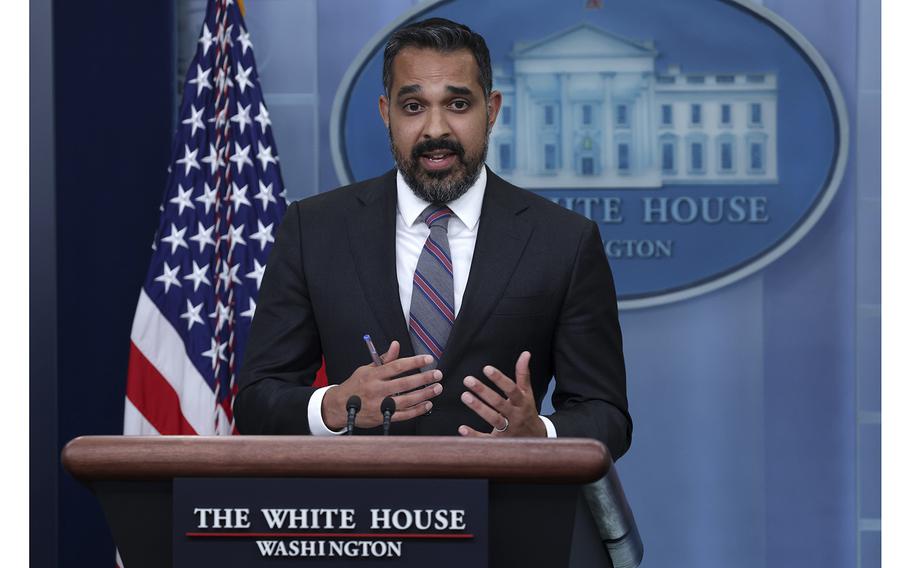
{"x":435,"y":144}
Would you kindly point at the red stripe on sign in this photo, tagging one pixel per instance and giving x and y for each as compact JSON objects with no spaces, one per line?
{"x":402,"y":536}
{"x":154,"y":397}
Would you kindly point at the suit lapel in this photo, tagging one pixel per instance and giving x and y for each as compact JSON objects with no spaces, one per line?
{"x":501,"y":240}
{"x":371,"y":230}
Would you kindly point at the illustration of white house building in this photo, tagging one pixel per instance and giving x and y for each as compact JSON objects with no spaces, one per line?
{"x":587,"y":108}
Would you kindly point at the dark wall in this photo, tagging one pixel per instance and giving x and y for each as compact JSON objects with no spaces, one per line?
{"x":114,"y":98}
{"x":42,"y":270}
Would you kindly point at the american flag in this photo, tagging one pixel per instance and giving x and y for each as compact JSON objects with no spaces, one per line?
{"x":224,"y":200}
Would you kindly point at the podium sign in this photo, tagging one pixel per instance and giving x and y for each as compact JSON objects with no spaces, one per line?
{"x":255,"y":522}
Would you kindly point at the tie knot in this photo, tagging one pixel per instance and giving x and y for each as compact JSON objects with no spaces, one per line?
{"x":437,"y":216}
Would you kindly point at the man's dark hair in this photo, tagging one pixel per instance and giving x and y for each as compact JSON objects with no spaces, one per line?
{"x":442,"y":35}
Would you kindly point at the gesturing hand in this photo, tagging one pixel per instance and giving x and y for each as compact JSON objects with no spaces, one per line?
{"x":372,"y":384}
{"x":513,"y":416}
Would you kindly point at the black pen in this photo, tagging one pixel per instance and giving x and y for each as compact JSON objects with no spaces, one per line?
{"x":377,"y":360}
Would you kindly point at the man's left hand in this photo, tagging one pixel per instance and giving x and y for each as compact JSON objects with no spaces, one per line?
{"x":514,"y":415}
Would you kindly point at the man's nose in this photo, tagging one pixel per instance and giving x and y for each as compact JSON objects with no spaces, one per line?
{"x":436,"y":126}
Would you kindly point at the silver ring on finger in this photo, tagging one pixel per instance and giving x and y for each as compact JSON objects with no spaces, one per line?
{"x":504,"y":428}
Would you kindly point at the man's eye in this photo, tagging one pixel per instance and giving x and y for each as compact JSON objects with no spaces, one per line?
{"x":460,"y":105}
{"x":412,"y":107}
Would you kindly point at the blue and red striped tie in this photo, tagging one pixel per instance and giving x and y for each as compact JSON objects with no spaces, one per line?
{"x":432,"y":311}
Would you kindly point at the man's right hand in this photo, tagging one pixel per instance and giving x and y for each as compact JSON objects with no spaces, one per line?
{"x":372,"y":384}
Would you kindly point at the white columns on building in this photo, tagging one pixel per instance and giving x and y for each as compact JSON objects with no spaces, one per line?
{"x":565,"y":124}
{"x":609,"y":119}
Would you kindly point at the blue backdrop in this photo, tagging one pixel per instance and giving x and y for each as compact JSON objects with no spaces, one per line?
{"x":756,"y":407}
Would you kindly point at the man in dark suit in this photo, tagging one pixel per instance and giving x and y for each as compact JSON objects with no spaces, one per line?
{"x":482,"y":291}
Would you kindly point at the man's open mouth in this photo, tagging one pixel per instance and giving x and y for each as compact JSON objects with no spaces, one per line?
{"x":438,"y":159}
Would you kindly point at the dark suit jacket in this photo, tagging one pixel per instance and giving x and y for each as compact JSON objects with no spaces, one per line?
{"x":539,"y":281}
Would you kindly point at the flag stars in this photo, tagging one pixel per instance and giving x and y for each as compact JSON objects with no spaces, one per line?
{"x":214,"y":161}
{"x":243,"y":77}
{"x":168,"y":277}
{"x":201,"y":80}
{"x":242,"y":117}
{"x":189,"y":159}
{"x":195,"y":119}
{"x":203,"y":236}
{"x":222,"y":79}
{"x":263,"y":117}
{"x":256,"y":274}
{"x":221,"y":315}
{"x":216,"y":352}
{"x":265,"y":156}
{"x":241,"y":156}
{"x":183,"y":199}
{"x":238,"y":196}
{"x":175,"y":239}
{"x":208,"y":197}
{"x":265,"y":195}
{"x":244,"y":38}
{"x":224,"y":35}
{"x":249,"y":313}
{"x":206,"y":40}
{"x":220,"y":117}
{"x":235,"y":237}
{"x":191,"y":315}
{"x":264,"y":234}
{"x":229,"y":274}
{"x":198,"y":276}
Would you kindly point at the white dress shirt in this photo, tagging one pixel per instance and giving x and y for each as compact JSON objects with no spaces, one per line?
{"x":410,"y":235}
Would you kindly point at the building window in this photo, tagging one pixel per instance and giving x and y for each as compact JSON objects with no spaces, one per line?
{"x":548,"y":115}
{"x":696,"y":157}
{"x":727,"y":154}
{"x":725,"y":79}
{"x":726,"y":157}
{"x":587,"y":114}
{"x":755,"y":114}
{"x":667,"y":145}
{"x":622,"y":162}
{"x":506,"y":115}
{"x":696,"y":114}
{"x":695,"y":79}
{"x":505,"y":156}
{"x":726,"y":116}
{"x":668,"y":157}
{"x":666,"y":115}
{"x":755,"y":78}
{"x":756,"y":157}
{"x":622,"y":115}
{"x":549,"y":157}
{"x":587,"y":166}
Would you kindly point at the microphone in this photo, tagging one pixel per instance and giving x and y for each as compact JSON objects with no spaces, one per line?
{"x":353,"y":408}
{"x":388,"y":409}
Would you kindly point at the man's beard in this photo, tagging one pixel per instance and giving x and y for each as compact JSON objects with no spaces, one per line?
{"x":443,"y":186}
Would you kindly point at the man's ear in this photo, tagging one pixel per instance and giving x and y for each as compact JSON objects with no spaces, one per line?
{"x":384,"y":109}
{"x":493,"y":105}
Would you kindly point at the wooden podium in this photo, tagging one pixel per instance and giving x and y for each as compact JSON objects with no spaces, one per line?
{"x":537,"y":510}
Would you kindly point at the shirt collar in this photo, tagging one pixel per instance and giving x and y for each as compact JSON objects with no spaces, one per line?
{"x":466,"y":208}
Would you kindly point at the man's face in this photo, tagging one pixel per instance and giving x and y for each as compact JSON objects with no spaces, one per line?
{"x":438,"y":121}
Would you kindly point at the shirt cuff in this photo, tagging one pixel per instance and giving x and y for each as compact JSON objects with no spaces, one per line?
{"x":548,"y":424}
{"x":314,"y":415}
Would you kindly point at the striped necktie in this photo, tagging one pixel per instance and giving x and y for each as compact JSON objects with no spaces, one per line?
{"x":432,"y":312}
